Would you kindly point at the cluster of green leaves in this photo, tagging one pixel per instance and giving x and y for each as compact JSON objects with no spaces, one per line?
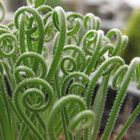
{"x":50,"y":63}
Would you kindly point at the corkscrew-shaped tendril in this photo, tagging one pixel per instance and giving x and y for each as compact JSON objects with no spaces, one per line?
{"x":120,"y":98}
{"x":96,"y":51}
{"x":4,"y":29}
{"x":58,"y":106}
{"x":87,"y":116}
{"x":110,"y":61}
{"x":29,"y":68}
{"x":118,"y":76}
{"x":59,"y":20}
{"x":44,"y":8}
{"x":76,"y":22}
{"x":20,"y":100}
{"x":107,"y":47}
{"x":40,"y":26}
{"x":74,"y":27}
{"x":8,"y":43}
{"x":73,"y":65}
{"x":78,"y":84}
{"x":49,"y":29}
{"x":120,"y":41}
{"x":73,"y":15}
{"x":91,"y":22}
{"x":100,"y":98}
{"x":88,"y":40}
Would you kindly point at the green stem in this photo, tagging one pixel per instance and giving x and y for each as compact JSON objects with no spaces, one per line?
{"x":119,"y":99}
{"x":4,"y":113}
{"x":58,"y":13}
{"x":99,"y":105}
{"x":128,"y":123}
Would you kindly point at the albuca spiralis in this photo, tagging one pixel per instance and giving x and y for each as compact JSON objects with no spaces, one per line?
{"x":50,"y":64}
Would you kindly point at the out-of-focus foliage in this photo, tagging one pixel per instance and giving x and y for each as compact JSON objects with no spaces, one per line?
{"x":54,"y":3}
{"x":133,"y":32}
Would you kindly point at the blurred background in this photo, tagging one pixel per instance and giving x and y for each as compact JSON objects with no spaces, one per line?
{"x":122,"y":14}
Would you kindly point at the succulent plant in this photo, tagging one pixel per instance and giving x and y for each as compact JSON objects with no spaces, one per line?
{"x":50,"y":63}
